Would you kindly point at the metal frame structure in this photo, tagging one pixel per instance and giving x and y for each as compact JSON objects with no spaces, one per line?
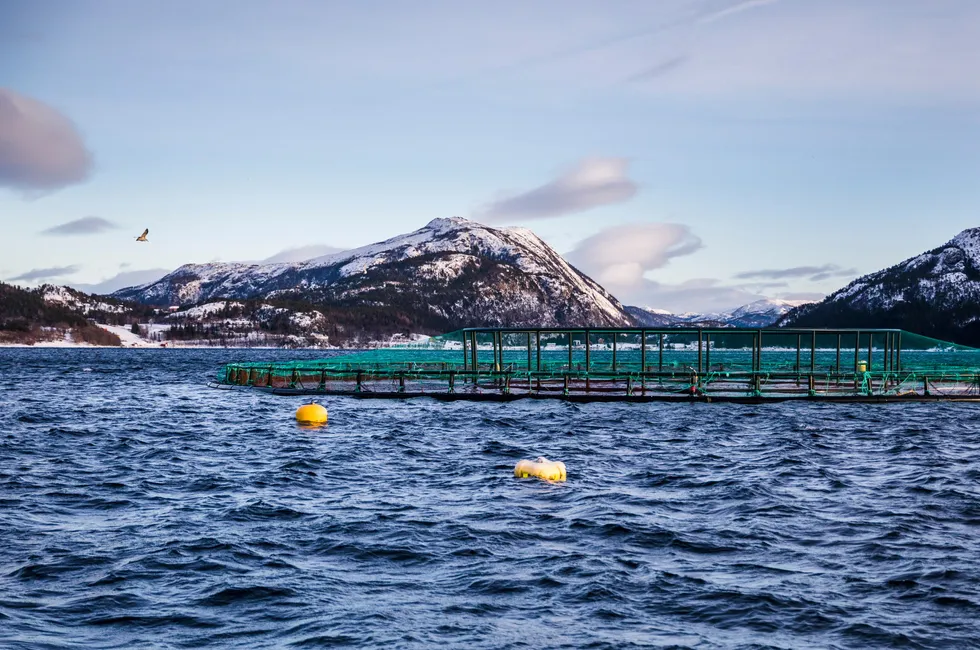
{"x":637,"y":364}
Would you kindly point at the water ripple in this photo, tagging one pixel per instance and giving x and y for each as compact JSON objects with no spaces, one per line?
{"x":141,"y":510}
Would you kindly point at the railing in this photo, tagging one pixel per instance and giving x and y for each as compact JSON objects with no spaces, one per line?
{"x":641,"y":364}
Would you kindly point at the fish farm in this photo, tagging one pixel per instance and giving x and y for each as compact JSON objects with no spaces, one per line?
{"x":636,"y":365}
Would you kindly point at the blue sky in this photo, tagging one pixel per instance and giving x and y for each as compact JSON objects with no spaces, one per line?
{"x":689,"y":154}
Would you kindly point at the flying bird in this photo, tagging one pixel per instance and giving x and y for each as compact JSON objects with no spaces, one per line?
{"x":143,"y":236}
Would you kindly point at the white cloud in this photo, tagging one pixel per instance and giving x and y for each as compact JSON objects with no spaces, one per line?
{"x":811,"y":296}
{"x":40,"y":149}
{"x":731,"y":10}
{"x":813,"y":273}
{"x":820,"y":49}
{"x":48,"y":273}
{"x":83,"y":226}
{"x":619,"y":256}
{"x":121,"y":281}
{"x":591,"y":183}
{"x":302,"y":253}
{"x":702,"y":295}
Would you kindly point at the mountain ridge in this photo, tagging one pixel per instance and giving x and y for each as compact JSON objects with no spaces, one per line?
{"x":760,"y":313}
{"x":450,"y":273}
{"x":935,"y":293}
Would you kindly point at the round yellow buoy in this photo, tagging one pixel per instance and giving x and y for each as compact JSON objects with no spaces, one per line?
{"x":862,"y":366}
{"x":541,"y":467}
{"x":311,"y":414}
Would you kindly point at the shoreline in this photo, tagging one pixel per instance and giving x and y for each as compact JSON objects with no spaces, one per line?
{"x":64,"y":345}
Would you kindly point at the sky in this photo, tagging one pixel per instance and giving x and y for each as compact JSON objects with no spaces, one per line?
{"x":690,"y":155}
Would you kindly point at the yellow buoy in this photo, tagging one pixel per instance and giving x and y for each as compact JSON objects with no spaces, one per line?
{"x":311,"y":414}
{"x":541,"y":467}
{"x":862,"y":366}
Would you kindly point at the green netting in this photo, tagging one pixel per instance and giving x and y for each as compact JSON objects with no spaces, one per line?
{"x":776,"y":363}
{"x":664,"y":350}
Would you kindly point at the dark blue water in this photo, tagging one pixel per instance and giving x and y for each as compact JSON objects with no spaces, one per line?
{"x":140,"y":509}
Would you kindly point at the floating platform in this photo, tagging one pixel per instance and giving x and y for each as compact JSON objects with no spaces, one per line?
{"x":638,"y":365}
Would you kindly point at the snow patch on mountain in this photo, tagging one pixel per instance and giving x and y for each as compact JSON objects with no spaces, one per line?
{"x":79,"y":301}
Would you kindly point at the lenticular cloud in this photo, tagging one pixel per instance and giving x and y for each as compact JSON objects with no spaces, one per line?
{"x":40,"y":149}
{"x":593,"y":182}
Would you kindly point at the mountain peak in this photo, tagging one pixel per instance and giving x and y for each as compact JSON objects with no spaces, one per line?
{"x":968,"y":234}
{"x":969,"y":241}
{"x":445,"y":224}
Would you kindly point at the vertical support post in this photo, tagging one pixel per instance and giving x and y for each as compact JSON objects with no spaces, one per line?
{"x":496,"y":357}
{"x":898,"y":355}
{"x":569,"y":352}
{"x":360,"y":379}
{"x":660,"y":353}
{"x":588,"y":351}
{"x":871,"y":340}
{"x":493,"y":349}
{"x":837,"y":365}
{"x":643,"y":362}
{"x":474,"y":365}
{"x":529,"y":352}
{"x":537,"y":339}
{"x":498,"y":348}
{"x":503,"y":362}
{"x":643,"y":351}
{"x":891,"y":353}
{"x":759,"y":366}
{"x":888,"y":351}
{"x":799,"y":343}
{"x":466,"y":352}
{"x":707,"y":352}
{"x":857,"y":350}
{"x":813,"y":352}
{"x":700,"y":348}
{"x":857,"y":357}
{"x":588,"y":360}
{"x":884,"y":366}
{"x":884,"y":349}
{"x":614,"y":337}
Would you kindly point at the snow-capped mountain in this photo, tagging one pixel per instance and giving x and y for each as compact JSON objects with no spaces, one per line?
{"x":77,"y":300}
{"x":761,"y":313}
{"x":648,"y":317}
{"x":936,"y":293}
{"x":451,"y":273}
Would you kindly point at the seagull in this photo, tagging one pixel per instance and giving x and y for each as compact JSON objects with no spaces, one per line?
{"x":143,"y":236}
